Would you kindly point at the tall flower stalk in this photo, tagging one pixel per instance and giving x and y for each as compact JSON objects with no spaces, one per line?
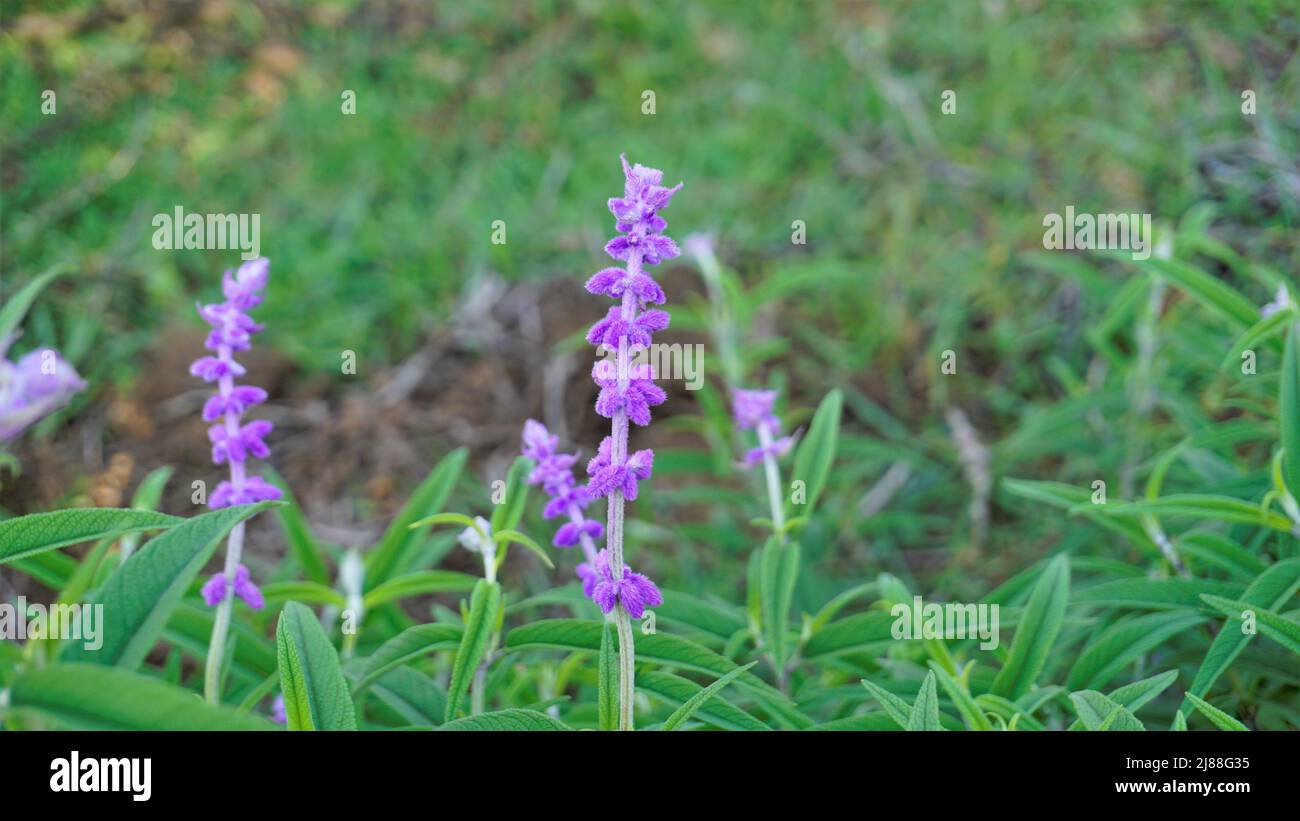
{"x":232,"y":443}
{"x":754,"y":410}
{"x":627,"y":392}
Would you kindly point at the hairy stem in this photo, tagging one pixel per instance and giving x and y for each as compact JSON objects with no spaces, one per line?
{"x":773,"y":472}
{"x":614,"y":527}
{"x":221,"y":624}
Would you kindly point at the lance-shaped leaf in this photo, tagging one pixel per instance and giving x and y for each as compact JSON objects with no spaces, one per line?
{"x":484,"y":610}
{"x":38,"y":532}
{"x":315,"y":691}
{"x":140,"y":596}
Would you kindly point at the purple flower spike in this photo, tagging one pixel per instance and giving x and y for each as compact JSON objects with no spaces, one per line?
{"x":233,"y":441}
{"x":35,"y":386}
{"x":277,"y":710}
{"x":554,"y":472}
{"x":627,"y":391}
{"x":632,"y":590}
{"x":753,"y":410}
{"x":215,"y":589}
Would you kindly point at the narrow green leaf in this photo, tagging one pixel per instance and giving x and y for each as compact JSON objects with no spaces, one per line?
{"x":37,"y":532}
{"x":1122,"y":643}
{"x":298,"y":535}
{"x":427,"y":500}
{"x":894,"y":705}
{"x":406,"y":646}
{"x":93,"y":697}
{"x":816,"y":454}
{"x":1272,"y":589}
{"x":315,"y":691}
{"x":418,"y":584}
{"x":678,"y":690}
{"x":1289,"y":410}
{"x":1216,"y":716}
{"x":1099,"y":712}
{"x":1038,"y":629}
{"x":513,"y":720}
{"x":506,"y":515}
{"x":1277,"y":627}
{"x":925,"y":710}
{"x":15,"y":307}
{"x":971,"y":713}
{"x":305,"y":592}
{"x":484,"y":607}
{"x":777,"y":576}
{"x":607,"y":681}
{"x":698,"y":700}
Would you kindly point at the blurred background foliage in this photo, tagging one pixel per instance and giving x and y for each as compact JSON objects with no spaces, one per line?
{"x":923,"y":235}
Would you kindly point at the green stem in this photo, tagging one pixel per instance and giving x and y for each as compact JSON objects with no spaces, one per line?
{"x":221,"y":624}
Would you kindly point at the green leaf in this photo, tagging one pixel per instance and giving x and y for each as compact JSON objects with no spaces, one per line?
{"x":894,"y":705}
{"x":315,"y":691}
{"x":718,"y":620}
{"x":971,"y":713}
{"x":15,"y":307}
{"x":427,"y":500}
{"x":1038,"y":629}
{"x":1153,"y":594}
{"x":1136,"y":695}
{"x":1123,"y":642}
{"x":925,"y":710}
{"x":141,"y":594}
{"x":514,"y":536}
{"x":698,"y":700}
{"x":1272,"y":589}
{"x":297,"y":533}
{"x":607,"y":681}
{"x":38,"y":532}
{"x":93,"y":697}
{"x":1277,"y":627}
{"x":410,"y":644}
{"x":812,"y":462}
{"x":1211,"y":292}
{"x":718,"y":712}
{"x":409,"y":697}
{"x":484,"y":607}
{"x":1216,"y":716}
{"x":417,"y":584}
{"x":850,"y":634}
{"x":1098,"y":712}
{"x":513,"y":720}
{"x":506,"y":515}
{"x":1262,"y":331}
{"x":1289,"y":410}
{"x":1205,"y":506}
{"x":778,"y":572}
{"x":306,"y":592}
{"x":660,"y":648}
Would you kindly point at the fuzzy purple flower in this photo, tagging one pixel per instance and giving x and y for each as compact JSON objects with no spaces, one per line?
{"x":215,"y":589}
{"x":233,"y":441}
{"x":632,"y":590}
{"x":753,"y":410}
{"x":554,"y":472}
{"x":32,"y":388}
{"x":278,"y":714}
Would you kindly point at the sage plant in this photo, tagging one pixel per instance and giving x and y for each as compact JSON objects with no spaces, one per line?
{"x":232,"y":444}
{"x":626,"y":394}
